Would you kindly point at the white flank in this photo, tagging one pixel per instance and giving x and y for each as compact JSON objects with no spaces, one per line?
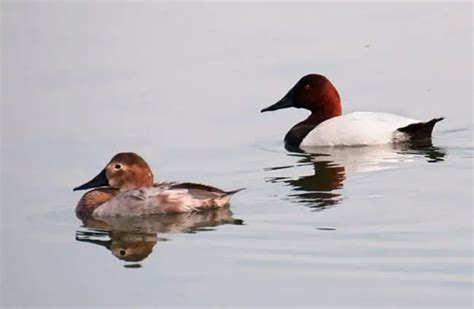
{"x":358,"y":129}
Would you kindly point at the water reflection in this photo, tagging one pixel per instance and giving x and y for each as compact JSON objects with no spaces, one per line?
{"x":318,"y":190}
{"x":132,"y":239}
{"x":332,"y":165}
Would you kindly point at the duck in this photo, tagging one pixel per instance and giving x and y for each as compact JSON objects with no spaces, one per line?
{"x":327,"y":126}
{"x":125,"y":187}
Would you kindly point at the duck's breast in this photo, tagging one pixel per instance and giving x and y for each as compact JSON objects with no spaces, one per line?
{"x":357,"y":129}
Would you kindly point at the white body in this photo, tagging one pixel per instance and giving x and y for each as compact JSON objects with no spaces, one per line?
{"x":358,"y":129}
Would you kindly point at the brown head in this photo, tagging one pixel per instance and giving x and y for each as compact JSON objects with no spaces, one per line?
{"x":315,"y":93}
{"x":124,"y":172}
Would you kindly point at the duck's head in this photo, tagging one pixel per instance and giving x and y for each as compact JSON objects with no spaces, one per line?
{"x":125,"y":171}
{"x":313,"y":92}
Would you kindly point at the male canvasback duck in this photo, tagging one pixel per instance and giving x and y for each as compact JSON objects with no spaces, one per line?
{"x":125,"y":188}
{"x":326,"y":126}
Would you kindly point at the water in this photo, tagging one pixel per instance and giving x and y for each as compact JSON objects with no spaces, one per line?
{"x":182,"y":85}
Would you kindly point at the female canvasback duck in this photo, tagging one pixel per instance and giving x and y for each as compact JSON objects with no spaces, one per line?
{"x":125,"y":188}
{"x":326,"y":126}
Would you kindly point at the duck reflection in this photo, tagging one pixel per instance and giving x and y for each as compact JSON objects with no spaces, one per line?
{"x":322,"y":188}
{"x":132,"y":239}
{"x":318,"y":190}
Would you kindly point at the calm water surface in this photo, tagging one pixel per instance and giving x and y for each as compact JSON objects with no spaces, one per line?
{"x":182,"y":84}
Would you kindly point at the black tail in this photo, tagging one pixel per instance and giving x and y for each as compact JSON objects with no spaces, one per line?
{"x":420,"y":130}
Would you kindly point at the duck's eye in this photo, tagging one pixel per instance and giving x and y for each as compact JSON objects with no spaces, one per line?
{"x":118,"y":166}
{"x":122,"y":252}
{"x":307,"y":87}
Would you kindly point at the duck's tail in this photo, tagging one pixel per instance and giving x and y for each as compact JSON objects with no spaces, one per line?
{"x":224,"y":199}
{"x":229,"y":193}
{"x":420,"y":130}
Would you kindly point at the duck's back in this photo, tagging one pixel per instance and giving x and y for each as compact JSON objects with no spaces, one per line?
{"x":358,"y":129}
{"x":165,"y":197}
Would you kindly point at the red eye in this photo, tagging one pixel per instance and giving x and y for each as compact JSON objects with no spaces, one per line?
{"x":307,"y":87}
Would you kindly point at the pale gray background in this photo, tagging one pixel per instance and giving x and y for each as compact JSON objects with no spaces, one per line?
{"x":182,"y":84}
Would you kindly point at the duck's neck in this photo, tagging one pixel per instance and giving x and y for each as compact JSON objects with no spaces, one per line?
{"x":93,"y":199}
{"x":327,"y":108}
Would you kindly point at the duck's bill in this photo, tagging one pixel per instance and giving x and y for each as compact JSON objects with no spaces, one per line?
{"x":285,"y":102}
{"x":98,"y":181}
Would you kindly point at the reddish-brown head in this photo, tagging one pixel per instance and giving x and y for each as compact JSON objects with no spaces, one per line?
{"x":125,"y":171}
{"x":315,"y":93}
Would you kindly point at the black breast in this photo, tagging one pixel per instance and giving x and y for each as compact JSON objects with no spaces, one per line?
{"x":294,"y":137}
